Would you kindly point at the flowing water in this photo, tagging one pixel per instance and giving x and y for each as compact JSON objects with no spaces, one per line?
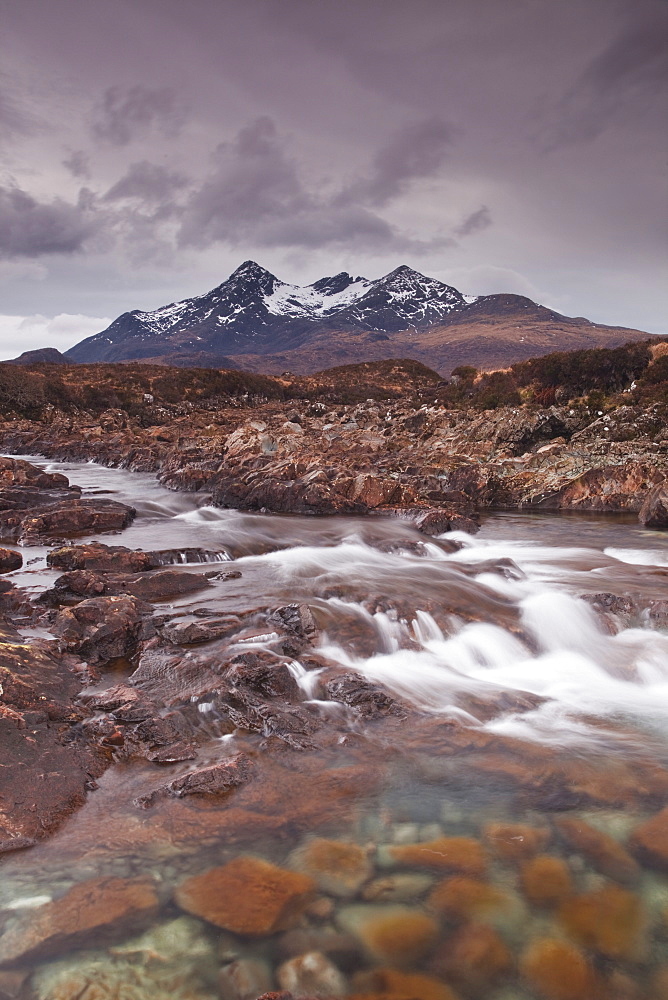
{"x":532,"y":705}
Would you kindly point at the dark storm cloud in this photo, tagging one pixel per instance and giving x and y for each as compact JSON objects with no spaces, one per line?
{"x":29,"y":228}
{"x":78,"y":164}
{"x":628,"y":77}
{"x":128,"y":113}
{"x":256,"y":193}
{"x":416,"y":150}
{"x":147,"y":182}
{"x":475,"y":222}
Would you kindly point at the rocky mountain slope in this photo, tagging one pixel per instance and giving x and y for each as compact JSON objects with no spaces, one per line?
{"x":255,"y":321}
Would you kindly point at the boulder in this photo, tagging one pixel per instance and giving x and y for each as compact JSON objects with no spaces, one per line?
{"x":654,"y":510}
{"x":101,"y":629}
{"x":10,"y":560}
{"x":65,"y":518}
{"x":247,"y":896}
{"x":101,"y":908}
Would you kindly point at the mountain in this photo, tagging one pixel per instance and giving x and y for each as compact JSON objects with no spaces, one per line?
{"x":43,"y":355}
{"x":256,"y":321}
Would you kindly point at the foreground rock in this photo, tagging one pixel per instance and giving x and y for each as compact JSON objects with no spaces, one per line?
{"x":654,"y":510}
{"x":90,"y":910}
{"x":247,"y":896}
{"x":64,"y":519}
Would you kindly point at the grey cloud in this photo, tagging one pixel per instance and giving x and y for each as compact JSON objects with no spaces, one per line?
{"x":417,"y":150}
{"x":256,"y":194}
{"x":475,"y":222}
{"x":29,"y":228}
{"x":78,"y":163}
{"x":147,"y":182}
{"x":128,"y":113}
{"x":628,"y":77}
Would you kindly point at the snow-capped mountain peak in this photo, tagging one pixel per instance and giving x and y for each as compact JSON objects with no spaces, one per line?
{"x":254,"y":311}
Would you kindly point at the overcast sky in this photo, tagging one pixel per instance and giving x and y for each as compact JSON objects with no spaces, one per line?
{"x":150,"y":146}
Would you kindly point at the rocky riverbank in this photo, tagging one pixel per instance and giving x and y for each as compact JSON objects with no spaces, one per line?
{"x":113,"y":693}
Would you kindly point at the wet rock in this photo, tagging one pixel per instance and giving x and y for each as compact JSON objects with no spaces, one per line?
{"x":463,"y":899}
{"x":67,"y":518}
{"x":172,"y":961}
{"x":610,"y":921}
{"x":244,"y":979}
{"x":394,"y":934}
{"x":546,"y":880}
{"x":389,"y":984}
{"x":400,"y":887}
{"x":435,"y":520}
{"x":557,"y":970}
{"x":654,"y":510}
{"x":602,"y":852}
{"x":344,"y":949}
{"x":263,"y":673}
{"x":369,"y":700}
{"x":10,"y":560}
{"x":97,"y":556}
{"x":192,"y":633}
{"x":18,"y":472}
{"x":93,"y":909}
{"x":214,"y":780}
{"x":649,"y":841}
{"x":312,"y":973}
{"x":146,"y":586}
{"x":474,"y":958}
{"x":610,"y":487}
{"x":247,"y":896}
{"x":126,"y":703}
{"x":457,"y":854}
{"x":104,"y":628}
{"x":514,"y":841}
{"x":337,"y":867}
{"x":296,"y":620}
{"x":291,"y":725}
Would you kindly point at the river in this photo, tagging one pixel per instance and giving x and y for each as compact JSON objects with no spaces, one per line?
{"x":488,"y":639}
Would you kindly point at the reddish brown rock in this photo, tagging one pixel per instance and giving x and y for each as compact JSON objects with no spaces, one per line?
{"x":69,"y":518}
{"x":91,"y":911}
{"x":247,"y":896}
{"x":474,"y":958}
{"x":395,"y":935}
{"x":459,"y":854}
{"x":104,"y":628}
{"x":559,"y":971}
{"x":214,"y":780}
{"x":515,"y":841}
{"x":546,"y":880}
{"x":649,"y":841}
{"x":604,"y":853}
{"x":611,"y":921}
{"x":338,"y":867}
{"x":389,"y":984}
{"x":654,"y":510}
{"x":610,"y":487}
{"x":97,"y":556}
{"x":17,"y":472}
{"x":10,"y":560}
{"x":462,"y":898}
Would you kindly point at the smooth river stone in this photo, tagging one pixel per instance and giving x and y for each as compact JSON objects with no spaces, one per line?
{"x":337,"y":867}
{"x":247,"y":896}
{"x":90,"y":911}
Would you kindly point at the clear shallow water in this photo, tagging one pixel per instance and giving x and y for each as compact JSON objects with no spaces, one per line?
{"x":492,"y":637}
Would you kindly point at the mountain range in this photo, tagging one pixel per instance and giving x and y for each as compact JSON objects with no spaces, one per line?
{"x":255,"y":321}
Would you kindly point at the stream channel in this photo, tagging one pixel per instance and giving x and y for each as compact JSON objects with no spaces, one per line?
{"x":526,"y":709}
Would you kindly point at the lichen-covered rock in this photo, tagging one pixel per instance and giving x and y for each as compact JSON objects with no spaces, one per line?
{"x":247,"y":896}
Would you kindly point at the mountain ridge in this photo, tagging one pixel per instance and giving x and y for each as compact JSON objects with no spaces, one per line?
{"x":254,"y":319}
